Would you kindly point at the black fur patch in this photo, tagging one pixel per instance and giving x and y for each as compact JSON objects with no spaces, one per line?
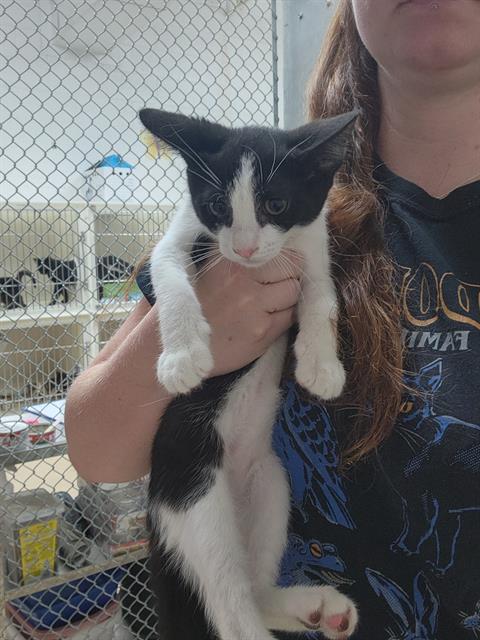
{"x":187,"y":449}
{"x":297,"y":165}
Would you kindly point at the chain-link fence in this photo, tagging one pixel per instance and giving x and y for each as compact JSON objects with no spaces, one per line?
{"x":80,"y":201}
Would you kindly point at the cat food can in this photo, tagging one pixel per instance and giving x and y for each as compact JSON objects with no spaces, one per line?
{"x":13,"y":433}
{"x":29,"y":523}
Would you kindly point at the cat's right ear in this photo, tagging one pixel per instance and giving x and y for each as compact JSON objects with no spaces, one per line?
{"x":185,"y":134}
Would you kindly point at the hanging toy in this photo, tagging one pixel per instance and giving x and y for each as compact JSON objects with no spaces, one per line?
{"x":156,"y":148}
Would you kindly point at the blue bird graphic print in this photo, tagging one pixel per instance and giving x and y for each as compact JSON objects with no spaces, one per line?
{"x":312,"y":562}
{"x":305,"y":441}
{"x":414,"y":618}
{"x":432,"y":523}
{"x":471,"y":622}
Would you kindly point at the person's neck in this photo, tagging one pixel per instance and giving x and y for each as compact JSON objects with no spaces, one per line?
{"x":431,"y":140}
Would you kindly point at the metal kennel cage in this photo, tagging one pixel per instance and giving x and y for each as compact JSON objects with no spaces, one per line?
{"x":80,"y":201}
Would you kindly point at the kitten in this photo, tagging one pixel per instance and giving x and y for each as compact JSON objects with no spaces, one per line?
{"x":218,"y":495}
{"x":110,"y":268}
{"x":11,"y":288}
{"x":63,"y":274}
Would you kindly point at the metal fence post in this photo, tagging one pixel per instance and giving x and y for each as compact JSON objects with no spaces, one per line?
{"x":301,"y":28}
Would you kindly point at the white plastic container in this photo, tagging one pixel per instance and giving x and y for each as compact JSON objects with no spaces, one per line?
{"x":13,"y":433}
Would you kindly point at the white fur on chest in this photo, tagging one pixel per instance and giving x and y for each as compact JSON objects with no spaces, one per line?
{"x":246,"y":421}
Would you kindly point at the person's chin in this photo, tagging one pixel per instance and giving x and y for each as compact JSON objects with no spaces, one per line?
{"x":434,"y":53}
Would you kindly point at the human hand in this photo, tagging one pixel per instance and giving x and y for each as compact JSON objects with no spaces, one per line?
{"x":248,"y":309}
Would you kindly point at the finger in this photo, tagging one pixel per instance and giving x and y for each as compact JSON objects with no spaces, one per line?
{"x":286,"y":265}
{"x":281,"y":322}
{"x":280,"y":295}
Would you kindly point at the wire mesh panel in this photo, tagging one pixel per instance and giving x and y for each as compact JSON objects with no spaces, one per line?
{"x":80,"y":202}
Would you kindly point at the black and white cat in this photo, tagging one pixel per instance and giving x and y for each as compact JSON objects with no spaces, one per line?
{"x":111,"y":269}
{"x":63,"y":273}
{"x":218,"y":495}
{"x":11,"y":288}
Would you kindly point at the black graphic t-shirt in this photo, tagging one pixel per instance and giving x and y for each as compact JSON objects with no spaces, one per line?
{"x":401,"y":533}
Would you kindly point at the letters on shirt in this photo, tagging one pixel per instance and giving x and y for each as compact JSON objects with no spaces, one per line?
{"x":427,"y":297}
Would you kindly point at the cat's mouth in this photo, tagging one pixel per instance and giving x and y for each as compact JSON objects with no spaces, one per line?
{"x":249,"y":262}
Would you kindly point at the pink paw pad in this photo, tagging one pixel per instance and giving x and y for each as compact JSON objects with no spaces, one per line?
{"x":315,"y":618}
{"x":339,"y":622}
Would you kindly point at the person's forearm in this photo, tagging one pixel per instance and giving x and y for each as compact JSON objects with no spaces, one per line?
{"x":113,"y":409}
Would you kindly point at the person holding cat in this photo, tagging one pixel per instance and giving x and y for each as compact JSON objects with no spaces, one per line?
{"x":384,"y":481}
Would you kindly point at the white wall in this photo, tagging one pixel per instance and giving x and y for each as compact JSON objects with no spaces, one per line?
{"x":74,"y":73}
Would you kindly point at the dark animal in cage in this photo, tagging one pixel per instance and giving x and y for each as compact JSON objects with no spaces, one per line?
{"x":59,"y":381}
{"x":111,"y":269}
{"x":11,"y":288}
{"x":63,"y":274}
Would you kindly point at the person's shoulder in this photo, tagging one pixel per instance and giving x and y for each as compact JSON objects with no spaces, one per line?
{"x":144,"y":283}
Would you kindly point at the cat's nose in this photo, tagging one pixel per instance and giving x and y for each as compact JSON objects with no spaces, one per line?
{"x":246,"y":252}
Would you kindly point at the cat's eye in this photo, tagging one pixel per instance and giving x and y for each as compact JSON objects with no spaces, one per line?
{"x":275,"y":206}
{"x":217,"y":206}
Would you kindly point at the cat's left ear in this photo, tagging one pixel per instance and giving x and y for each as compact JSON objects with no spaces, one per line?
{"x":184,"y":134}
{"x":324,"y":142}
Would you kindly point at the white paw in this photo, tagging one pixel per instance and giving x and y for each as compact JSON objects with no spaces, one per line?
{"x":327,"y":610}
{"x":183,"y":370}
{"x":322,"y":378}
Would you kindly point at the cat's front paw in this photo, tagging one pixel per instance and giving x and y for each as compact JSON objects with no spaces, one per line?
{"x":322,"y":378}
{"x":183,"y":370}
{"x":327,"y":610}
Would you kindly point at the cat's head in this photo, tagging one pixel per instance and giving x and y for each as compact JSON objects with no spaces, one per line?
{"x":252,"y":187}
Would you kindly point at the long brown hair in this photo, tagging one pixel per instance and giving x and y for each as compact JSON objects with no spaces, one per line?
{"x":344,"y":78}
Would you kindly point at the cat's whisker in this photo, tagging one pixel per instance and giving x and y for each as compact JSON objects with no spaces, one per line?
{"x":202,"y":257}
{"x":200,"y":262}
{"x":210,"y":265}
{"x":286,"y":266}
{"x":212,"y":184}
{"x":149,"y":404}
{"x":205,"y":168}
{"x":284,"y":263}
{"x":303,"y":273}
{"x":286,"y":156}
{"x":204,"y":252}
{"x":200,"y":161}
{"x":287,"y":270}
{"x":211,"y":243}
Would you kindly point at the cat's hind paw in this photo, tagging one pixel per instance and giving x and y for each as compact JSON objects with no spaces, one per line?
{"x":181,"y":371}
{"x":327,"y":610}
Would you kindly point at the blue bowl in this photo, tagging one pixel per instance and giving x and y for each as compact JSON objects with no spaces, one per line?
{"x":71,"y":602}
